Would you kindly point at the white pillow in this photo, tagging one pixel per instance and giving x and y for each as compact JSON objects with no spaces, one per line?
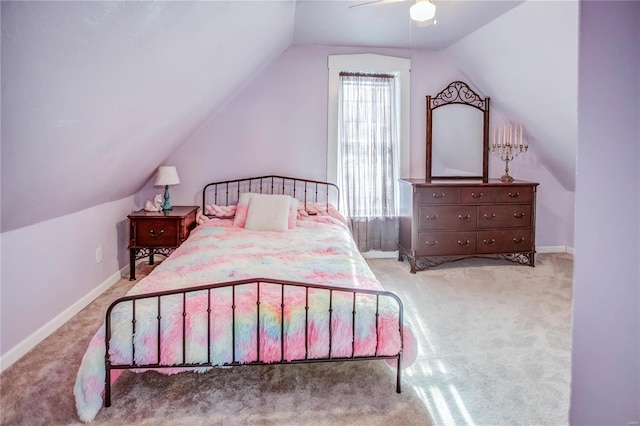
{"x":268,"y":212}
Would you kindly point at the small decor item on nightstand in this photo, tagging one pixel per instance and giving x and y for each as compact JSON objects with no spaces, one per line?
{"x":156,"y":205}
{"x":167,"y":175}
{"x":508,"y":146}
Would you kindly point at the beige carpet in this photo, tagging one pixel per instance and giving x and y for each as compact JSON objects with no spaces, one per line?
{"x":494,"y":350}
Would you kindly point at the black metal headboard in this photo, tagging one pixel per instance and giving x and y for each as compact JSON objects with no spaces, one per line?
{"x":228,"y":192}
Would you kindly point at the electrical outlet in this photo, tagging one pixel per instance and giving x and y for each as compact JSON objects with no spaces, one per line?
{"x":99,"y":254}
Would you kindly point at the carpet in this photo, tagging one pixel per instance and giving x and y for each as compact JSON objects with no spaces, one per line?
{"x":494,"y":349}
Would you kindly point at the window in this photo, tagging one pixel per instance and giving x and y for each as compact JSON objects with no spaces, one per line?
{"x":368,"y":143}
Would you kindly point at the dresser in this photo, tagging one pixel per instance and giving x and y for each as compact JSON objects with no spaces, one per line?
{"x":451,"y":219}
{"x":158,"y":233}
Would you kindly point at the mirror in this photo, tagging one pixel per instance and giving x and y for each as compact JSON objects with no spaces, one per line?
{"x":457,"y":134}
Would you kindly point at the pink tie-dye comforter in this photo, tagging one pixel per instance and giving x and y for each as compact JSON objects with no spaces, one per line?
{"x":319,"y":250}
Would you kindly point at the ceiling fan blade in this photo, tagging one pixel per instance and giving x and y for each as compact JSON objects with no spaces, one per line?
{"x":375,"y":2}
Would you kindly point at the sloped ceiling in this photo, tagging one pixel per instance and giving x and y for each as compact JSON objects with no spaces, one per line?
{"x":95,"y":95}
{"x":531,"y":73}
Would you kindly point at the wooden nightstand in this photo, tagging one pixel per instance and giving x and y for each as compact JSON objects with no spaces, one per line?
{"x":158,"y":233}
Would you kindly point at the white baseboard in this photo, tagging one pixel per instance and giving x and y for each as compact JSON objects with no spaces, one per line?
{"x":18,"y":351}
{"x":375,"y":254}
{"x":554,"y":249}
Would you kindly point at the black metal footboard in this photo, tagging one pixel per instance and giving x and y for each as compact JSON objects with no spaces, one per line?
{"x":276,"y":297}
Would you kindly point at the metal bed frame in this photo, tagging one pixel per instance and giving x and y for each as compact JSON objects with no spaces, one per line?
{"x":228,"y":192}
{"x":306,"y":191}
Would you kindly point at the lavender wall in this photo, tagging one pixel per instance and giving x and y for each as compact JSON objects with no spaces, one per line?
{"x":97,"y":92}
{"x":278,"y":124}
{"x":605,"y":386}
{"x":48,"y":267}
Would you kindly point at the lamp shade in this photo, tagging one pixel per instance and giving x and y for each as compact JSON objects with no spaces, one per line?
{"x":167,"y":175}
{"x":422,"y":10}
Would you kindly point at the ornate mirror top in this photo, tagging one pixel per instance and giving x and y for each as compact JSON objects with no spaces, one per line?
{"x":458,"y":93}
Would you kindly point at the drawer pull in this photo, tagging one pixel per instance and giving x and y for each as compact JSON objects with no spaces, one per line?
{"x":438,"y":196}
{"x":432,"y":217}
{"x":431,"y":244}
{"x":486,"y":216}
{"x":474,"y":195}
{"x":466,"y":243}
{"x":518,"y":240}
{"x":491,"y":241}
{"x":154,"y":234}
{"x":514,"y":194}
{"x":518,"y":215}
{"x":467,"y":217}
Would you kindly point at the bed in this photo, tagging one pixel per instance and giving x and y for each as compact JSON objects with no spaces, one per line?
{"x":271,"y":274}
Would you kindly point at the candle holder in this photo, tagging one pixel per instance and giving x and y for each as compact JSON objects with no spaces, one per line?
{"x":508,"y":147}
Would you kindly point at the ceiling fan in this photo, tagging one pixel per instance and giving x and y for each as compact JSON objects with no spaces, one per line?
{"x":422,"y":11}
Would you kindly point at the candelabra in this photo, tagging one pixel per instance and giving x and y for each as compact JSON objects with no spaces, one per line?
{"x":508,"y":146}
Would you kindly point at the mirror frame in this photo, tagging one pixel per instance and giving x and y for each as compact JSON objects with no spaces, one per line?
{"x":458,"y":92}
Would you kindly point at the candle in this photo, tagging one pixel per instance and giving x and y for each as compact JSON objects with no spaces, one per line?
{"x":520,"y":134}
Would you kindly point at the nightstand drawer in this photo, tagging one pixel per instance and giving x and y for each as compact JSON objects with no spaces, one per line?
{"x":157,"y":233}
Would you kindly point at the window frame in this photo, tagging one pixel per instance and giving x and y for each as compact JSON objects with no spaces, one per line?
{"x":368,"y":62}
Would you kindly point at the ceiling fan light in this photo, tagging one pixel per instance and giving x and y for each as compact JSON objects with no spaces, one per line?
{"x":422,"y":10}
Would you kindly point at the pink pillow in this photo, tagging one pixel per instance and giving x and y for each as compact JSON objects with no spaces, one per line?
{"x":242,"y":208}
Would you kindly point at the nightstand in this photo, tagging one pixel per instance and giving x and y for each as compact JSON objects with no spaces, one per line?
{"x":158,"y":233}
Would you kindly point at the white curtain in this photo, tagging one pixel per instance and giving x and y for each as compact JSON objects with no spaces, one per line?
{"x":368,"y":158}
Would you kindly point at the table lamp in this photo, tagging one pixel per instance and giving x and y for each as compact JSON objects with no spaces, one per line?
{"x":167,"y":175}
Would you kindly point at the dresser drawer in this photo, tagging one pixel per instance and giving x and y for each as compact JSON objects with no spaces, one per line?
{"x":454,"y":218}
{"x":156,"y":233}
{"x":438,"y":195}
{"x":478,"y":195}
{"x":504,"y":216}
{"x":446,"y":243}
{"x":507,"y":241}
{"x":517,"y":194}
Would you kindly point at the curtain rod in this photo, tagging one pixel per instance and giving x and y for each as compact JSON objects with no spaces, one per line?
{"x":364,"y":74}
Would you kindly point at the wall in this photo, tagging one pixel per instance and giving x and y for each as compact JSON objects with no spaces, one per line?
{"x":49,"y":271}
{"x":527,"y":59}
{"x":103,"y":91}
{"x":278,"y":124}
{"x":530,"y":71}
{"x":605,"y":388}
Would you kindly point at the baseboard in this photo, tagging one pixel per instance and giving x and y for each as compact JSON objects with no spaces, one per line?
{"x":18,"y":351}
{"x":375,"y":254}
{"x":554,"y":249}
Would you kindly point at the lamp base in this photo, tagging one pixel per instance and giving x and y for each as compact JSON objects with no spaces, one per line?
{"x":167,"y":205}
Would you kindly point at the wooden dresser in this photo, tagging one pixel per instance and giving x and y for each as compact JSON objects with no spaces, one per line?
{"x":450,"y":219}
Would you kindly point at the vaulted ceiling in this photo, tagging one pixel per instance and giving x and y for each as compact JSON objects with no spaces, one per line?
{"x":95,"y":95}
